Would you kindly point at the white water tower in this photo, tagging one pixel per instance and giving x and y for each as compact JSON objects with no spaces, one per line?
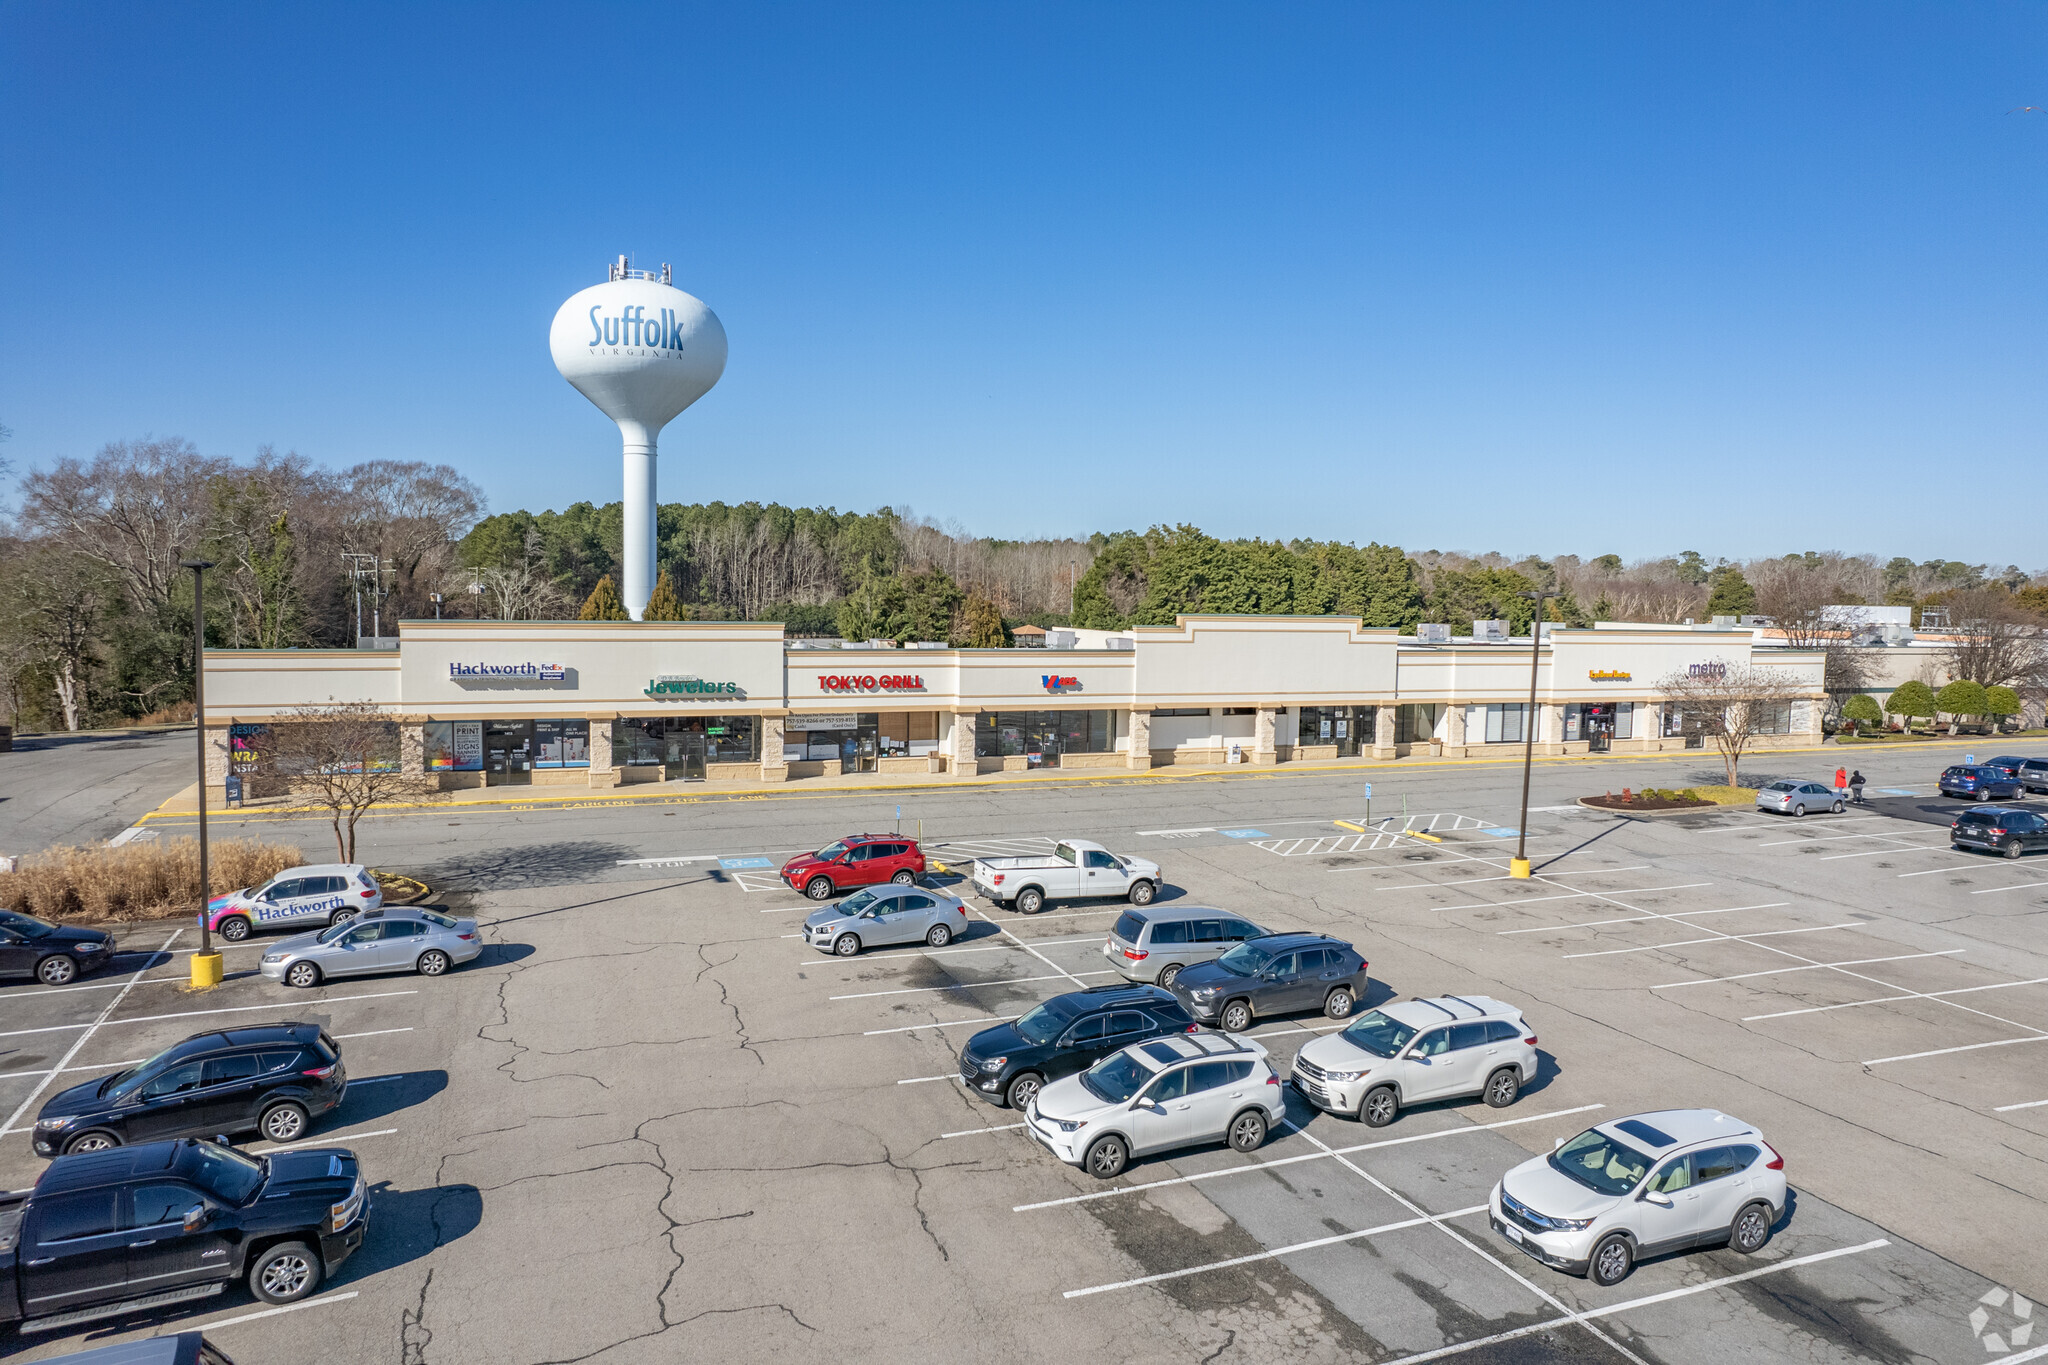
{"x":642,"y":350}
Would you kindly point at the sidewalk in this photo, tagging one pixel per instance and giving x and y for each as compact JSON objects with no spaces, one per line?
{"x":185,"y":802}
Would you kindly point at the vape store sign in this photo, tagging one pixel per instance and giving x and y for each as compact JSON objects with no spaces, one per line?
{"x":1052,"y":682}
{"x":870,"y":682}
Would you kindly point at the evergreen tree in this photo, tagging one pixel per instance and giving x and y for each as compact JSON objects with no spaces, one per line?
{"x":604,"y":603}
{"x":1458,"y":597}
{"x":982,"y":624}
{"x":662,"y":603}
{"x":1730,"y":593}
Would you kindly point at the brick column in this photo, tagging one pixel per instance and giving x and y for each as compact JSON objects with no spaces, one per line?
{"x":1141,"y":739}
{"x":602,"y":773}
{"x":412,"y":748}
{"x":1454,"y":729}
{"x":960,"y":748}
{"x":1265,"y":736}
{"x":1383,"y":732}
{"x":217,"y":767}
{"x":773,"y":768}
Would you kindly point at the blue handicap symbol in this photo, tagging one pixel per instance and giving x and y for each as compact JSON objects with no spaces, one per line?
{"x":735,"y":863}
{"x":1501,"y":832}
{"x":1242,"y":833}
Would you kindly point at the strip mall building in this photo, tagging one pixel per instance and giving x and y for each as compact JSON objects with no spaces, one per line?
{"x":479,"y":703}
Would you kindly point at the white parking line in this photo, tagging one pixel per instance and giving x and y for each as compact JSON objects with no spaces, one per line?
{"x":373,"y":1033}
{"x":954,"y":1023}
{"x":970,"y":985}
{"x":1946,"y":1051}
{"x":1253,"y":1167}
{"x":1829,"y":839}
{"x":977,"y":1132}
{"x":1648,"y":1299}
{"x":219,"y":1323}
{"x":1809,"y":967}
{"x":1929,"y":872}
{"x":1893,"y":999}
{"x":1881,"y":852}
{"x":1994,"y":890}
{"x":194,"y":1014}
{"x":921,"y":1080}
{"x":83,"y":1038}
{"x":1638,"y":919}
{"x":2030,"y":1104}
{"x":1197,"y":829}
{"x":324,"y":1141}
{"x":1719,"y":938}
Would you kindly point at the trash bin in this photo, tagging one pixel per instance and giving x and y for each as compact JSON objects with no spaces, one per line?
{"x":1237,"y":753}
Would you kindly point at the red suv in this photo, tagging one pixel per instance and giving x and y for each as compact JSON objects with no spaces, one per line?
{"x":856,"y":860}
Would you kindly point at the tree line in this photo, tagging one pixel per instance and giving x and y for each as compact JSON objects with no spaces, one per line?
{"x":95,"y":610}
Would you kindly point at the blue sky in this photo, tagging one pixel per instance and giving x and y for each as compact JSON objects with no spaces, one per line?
{"x":1627,"y":278}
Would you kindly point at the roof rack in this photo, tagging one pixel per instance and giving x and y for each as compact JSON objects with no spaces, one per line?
{"x":1466,"y":1003}
{"x":1424,"y":1000}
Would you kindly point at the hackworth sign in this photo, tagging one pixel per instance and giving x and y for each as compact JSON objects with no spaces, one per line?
{"x":524,"y":672}
{"x":691,"y":687}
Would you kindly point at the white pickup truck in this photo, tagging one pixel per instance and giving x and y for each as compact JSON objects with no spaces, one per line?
{"x":1075,"y":870}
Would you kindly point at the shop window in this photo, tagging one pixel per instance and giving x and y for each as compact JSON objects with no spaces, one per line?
{"x":1415,"y":722}
{"x":1335,"y":724}
{"x":1180,"y":711}
{"x":1008,"y":734}
{"x":561,"y":744}
{"x":1505,"y":722}
{"x":1240,"y":710}
{"x":1771,"y":719}
{"x":453,"y":746}
{"x":908,"y":733}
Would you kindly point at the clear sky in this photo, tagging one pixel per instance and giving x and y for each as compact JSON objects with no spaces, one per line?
{"x":1586,"y":278}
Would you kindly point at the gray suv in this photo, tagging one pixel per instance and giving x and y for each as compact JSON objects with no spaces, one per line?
{"x":1153,"y":944}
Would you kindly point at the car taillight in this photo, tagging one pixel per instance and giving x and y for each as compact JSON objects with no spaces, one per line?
{"x":1776,"y":1163}
{"x":1272,"y":1077}
{"x":1530,"y":1040}
{"x":998,"y":879}
{"x":467,"y":938}
{"x":321,"y":1072}
{"x":366,"y":894}
{"x":1136,"y":956}
{"x":1192,"y":1028}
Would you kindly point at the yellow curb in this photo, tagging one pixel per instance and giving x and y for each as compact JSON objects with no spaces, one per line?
{"x":1346,"y":824}
{"x":1418,"y":834}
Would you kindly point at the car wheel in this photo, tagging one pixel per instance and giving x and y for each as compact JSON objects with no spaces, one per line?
{"x":2012,"y":848}
{"x":1838,"y":808}
{"x":1107,"y":1157}
{"x":1799,"y":810}
{"x":432,"y":962}
{"x":286,"y":1273}
{"x":303,"y":975}
{"x":97,"y":1140}
{"x":1248,"y":1131}
{"x":1030,"y":900}
{"x":1237,"y":1017}
{"x":818,"y":888}
{"x":1981,"y":796}
{"x":233,"y":929}
{"x":283,"y":1123}
{"x":1751,"y":1229}
{"x":938,"y":936}
{"x":1379,"y":1107}
{"x":1612,"y":1260}
{"x":56,"y":969}
{"x":1023,"y":1090}
{"x":1503,"y":1087}
{"x":847,"y":945}
{"x":1141,"y":892}
{"x":341,"y":916}
{"x":904,"y":878}
{"x":1337,"y":1004}
{"x":1168,"y":973}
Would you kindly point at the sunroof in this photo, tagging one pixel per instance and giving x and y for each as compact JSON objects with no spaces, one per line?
{"x":1161,"y":1053}
{"x":1637,"y":1128}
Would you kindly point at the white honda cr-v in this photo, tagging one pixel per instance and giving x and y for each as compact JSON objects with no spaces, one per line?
{"x":1643,"y":1186}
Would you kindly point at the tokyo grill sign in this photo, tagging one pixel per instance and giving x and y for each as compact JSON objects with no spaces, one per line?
{"x":870,"y":682}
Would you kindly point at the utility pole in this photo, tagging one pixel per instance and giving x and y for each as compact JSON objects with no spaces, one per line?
{"x":206,"y":969}
{"x":358,"y":567}
{"x":1520,"y":866}
{"x":1071,"y":566}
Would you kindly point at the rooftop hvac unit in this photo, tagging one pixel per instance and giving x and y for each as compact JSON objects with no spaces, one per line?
{"x":1119,"y":642}
{"x":1059,"y":639}
{"x":1489,"y":630}
{"x":1433,"y":633}
{"x":926,"y":644}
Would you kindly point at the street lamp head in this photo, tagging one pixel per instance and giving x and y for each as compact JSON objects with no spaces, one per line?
{"x":195,"y":563}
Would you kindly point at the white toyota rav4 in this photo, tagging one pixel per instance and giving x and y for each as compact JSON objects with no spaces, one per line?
{"x":1170,"y":1092}
{"x":1643,"y":1186}
{"x":1407,"y":1051}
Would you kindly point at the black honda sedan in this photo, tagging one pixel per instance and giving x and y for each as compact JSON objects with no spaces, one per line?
{"x":50,"y":953}
{"x":274,"y":1078}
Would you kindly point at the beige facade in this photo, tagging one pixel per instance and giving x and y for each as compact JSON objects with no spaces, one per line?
{"x":620,"y":702}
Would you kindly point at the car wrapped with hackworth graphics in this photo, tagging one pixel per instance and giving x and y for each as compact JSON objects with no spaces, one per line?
{"x":295,"y":898}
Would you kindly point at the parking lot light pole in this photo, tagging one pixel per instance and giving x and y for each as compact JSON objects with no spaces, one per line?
{"x":1520,"y":866}
{"x":206,"y":966}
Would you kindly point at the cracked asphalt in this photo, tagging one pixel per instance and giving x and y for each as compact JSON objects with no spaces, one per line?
{"x":641,"y":1128}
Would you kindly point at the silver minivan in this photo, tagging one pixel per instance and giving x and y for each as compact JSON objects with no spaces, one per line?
{"x":1153,"y":944}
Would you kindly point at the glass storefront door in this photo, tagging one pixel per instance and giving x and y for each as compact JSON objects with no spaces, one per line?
{"x":1344,"y":726}
{"x":687,"y":750}
{"x":508,"y":749}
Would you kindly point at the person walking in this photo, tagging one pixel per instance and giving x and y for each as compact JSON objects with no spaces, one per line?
{"x":1856,"y":785}
{"x":1841,"y":782}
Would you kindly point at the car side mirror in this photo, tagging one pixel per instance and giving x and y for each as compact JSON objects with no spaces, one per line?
{"x":197,"y":1217}
{"x":1154,"y":1105}
{"x":1557,"y":1144}
{"x":1662,"y":1201}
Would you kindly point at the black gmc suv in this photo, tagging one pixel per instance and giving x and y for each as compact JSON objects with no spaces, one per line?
{"x":1068,"y":1033}
{"x":135,"y":1228}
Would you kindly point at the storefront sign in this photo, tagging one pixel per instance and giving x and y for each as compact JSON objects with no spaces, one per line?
{"x":1714,"y":671}
{"x":454,"y":746}
{"x":1607,"y":675}
{"x":870,"y":682}
{"x":528,"y":672}
{"x":689,"y":685}
{"x":1054,"y":683}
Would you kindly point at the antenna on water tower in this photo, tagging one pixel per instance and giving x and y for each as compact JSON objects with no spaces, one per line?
{"x":642,"y":351}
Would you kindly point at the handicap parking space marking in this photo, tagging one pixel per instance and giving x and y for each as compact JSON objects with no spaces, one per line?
{"x":735,"y":864}
{"x":754,"y":881}
{"x":1242,"y":833}
{"x":1501,"y":831}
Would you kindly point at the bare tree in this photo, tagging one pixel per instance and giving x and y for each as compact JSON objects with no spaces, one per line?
{"x":523,"y":591}
{"x":1732,"y":704}
{"x":1995,"y":641}
{"x":345,"y":757}
{"x":54,"y":601}
{"x":134,"y":509}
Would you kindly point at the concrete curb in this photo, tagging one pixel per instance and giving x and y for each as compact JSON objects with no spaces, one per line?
{"x":1653,"y":814}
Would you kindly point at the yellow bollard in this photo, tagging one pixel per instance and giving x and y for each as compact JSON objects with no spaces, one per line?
{"x":1517,"y":867}
{"x":206,"y":971}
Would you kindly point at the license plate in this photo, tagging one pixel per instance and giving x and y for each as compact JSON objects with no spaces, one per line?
{"x":1514,"y":1234}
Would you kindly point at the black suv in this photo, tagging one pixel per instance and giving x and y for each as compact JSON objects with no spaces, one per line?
{"x":1276,"y":974}
{"x":2011,"y":832}
{"x":276,"y":1078}
{"x":50,"y":953}
{"x":1068,"y":1033}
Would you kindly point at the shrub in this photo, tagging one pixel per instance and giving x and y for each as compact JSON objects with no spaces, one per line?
{"x":1913,"y":700}
{"x":141,"y":880}
{"x":2001,"y":701}
{"x":1862,"y":709}
{"x":1962,"y":698}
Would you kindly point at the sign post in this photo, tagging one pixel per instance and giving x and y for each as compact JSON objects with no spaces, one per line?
{"x":1368,"y":803}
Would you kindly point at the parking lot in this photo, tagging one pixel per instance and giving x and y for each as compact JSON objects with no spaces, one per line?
{"x":650,"y":1120}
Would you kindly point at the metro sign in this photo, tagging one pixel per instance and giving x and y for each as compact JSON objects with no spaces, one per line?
{"x":1054,"y":683}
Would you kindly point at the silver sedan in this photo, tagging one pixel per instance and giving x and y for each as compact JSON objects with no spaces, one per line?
{"x":886,"y":914}
{"x":376,"y":941}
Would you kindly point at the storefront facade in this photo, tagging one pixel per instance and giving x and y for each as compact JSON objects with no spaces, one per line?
{"x":480,"y":703}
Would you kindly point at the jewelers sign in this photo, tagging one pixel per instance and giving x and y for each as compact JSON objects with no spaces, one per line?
{"x":690,"y":687}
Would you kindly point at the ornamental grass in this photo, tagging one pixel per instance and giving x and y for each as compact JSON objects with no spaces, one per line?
{"x":146,"y":879}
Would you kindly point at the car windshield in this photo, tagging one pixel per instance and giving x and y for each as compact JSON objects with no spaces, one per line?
{"x":1379,"y":1035}
{"x":1116,"y":1078}
{"x":857,"y":902}
{"x":123,"y":1082}
{"x":226,"y":1174}
{"x":1600,"y":1163}
{"x":335,"y":931}
{"x":432,"y":918}
{"x":830,"y":851}
{"x":1042,"y":1024}
{"x":1782,"y":787}
{"x":25,"y":924}
{"x":1245,"y":959}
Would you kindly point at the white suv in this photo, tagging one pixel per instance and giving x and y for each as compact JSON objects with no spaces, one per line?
{"x":1642,"y":1186}
{"x":1170,"y":1092}
{"x":1412,"y":1050}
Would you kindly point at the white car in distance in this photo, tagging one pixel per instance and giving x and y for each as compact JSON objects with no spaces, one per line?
{"x":1643,"y":1186}
{"x":1409,"y":1051}
{"x":1176,"y":1091}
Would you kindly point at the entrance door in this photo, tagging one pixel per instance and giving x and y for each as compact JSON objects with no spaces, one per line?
{"x":508,"y":751}
{"x":692,"y":757}
{"x":857,"y":752}
{"x":1348,"y":723}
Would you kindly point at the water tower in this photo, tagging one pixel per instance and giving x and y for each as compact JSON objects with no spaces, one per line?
{"x":642,"y":350}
